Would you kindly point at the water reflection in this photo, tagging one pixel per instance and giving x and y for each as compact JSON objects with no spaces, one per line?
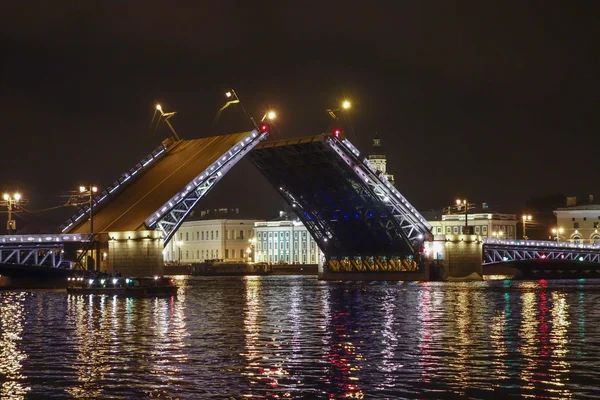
{"x":292,"y":337}
{"x":12,"y":316}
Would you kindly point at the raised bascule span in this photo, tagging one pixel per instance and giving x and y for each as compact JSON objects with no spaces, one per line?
{"x":361,"y":222}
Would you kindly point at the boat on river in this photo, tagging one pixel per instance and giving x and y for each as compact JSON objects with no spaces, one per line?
{"x":129,"y":287}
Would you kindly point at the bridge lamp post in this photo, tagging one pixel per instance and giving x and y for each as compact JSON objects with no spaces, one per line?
{"x":179,"y":244}
{"x":466,"y":204}
{"x":233,"y":98}
{"x":11,"y":203}
{"x":270,"y":115}
{"x":557,"y":231}
{"x":89,"y":191}
{"x":525,"y":218}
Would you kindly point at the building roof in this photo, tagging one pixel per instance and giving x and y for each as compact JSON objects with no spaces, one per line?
{"x":584,"y":207}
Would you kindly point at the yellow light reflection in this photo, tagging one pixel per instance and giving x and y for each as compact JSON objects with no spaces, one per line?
{"x":12,"y":315}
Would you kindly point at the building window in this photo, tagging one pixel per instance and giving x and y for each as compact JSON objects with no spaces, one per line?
{"x":217,"y":253}
{"x":187,"y":254}
{"x":287,"y":258}
{"x":275,"y":245}
{"x":180,"y":236}
{"x":198,"y":254}
{"x":269,"y":234}
{"x":187,"y":237}
{"x":596,"y":240}
{"x":217,"y":235}
{"x":202,"y":235}
{"x":576,"y":225}
{"x":258,"y":246}
{"x":595,"y":224}
{"x":448,"y":230}
{"x":242,"y":254}
{"x":573,"y":219}
{"x":287,"y":235}
{"x":202,"y":255}
{"x":585,"y":218}
{"x":439,"y":229}
{"x":456,"y":230}
{"x":287,"y":245}
{"x":477,"y":228}
{"x":241,"y":235}
{"x":212,"y":235}
{"x":281,"y":245}
{"x":484,"y":229}
{"x":577,"y":239}
{"x":226,"y":253}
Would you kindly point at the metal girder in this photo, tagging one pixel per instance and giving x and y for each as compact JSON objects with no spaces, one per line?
{"x":171,"y":215}
{"x":350,"y":211}
{"x":373,"y":264}
{"x":40,"y":255}
{"x":497,"y":251}
{"x":42,"y":238}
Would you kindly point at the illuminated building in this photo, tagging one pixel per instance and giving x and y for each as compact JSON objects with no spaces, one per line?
{"x":579,"y":223}
{"x":483,"y":224}
{"x":211,"y":236}
{"x":285,"y":241}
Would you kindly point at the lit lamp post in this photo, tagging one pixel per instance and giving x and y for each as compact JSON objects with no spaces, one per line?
{"x":231,"y":94}
{"x":270,"y":115}
{"x":465,"y":203}
{"x":345,"y":106}
{"x":557,"y":231}
{"x":498,"y":234}
{"x":250,"y":249}
{"x":89,"y":191}
{"x":525,"y":218}
{"x":11,"y":203}
{"x":179,"y":244}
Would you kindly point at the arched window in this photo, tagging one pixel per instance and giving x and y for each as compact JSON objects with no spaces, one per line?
{"x":596,"y":239}
{"x":576,"y":239}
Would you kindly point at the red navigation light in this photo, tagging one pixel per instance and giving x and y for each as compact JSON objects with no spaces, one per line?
{"x":263,"y":127}
{"x":543,"y":256}
{"x":337,"y":132}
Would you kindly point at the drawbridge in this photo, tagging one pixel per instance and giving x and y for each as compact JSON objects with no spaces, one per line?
{"x":361,"y":222}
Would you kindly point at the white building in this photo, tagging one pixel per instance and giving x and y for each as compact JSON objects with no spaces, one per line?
{"x":484,"y":224}
{"x":284,"y":241}
{"x":578,"y":224}
{"x":210,"y":239}
{"x":378,"y":159}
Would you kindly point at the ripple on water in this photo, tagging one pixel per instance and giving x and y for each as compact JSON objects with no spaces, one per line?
{"x":296,"y":337}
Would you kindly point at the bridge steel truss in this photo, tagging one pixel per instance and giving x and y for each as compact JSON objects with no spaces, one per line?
{"x":358,"y":219}
{"x":496,"y":251}
{"x":171,"y":215}
{"x":37,"y":250}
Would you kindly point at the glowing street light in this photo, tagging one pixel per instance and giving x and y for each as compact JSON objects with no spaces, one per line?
{"x":166,"y":117}
{"x":231,"y":94}
{"x":271,"y":115}
{"x":89,"y":191}
{"x":465,"y":203}
{"x":346,"y":104}
{"x":525,"y":218}
{"x":11,"y":203}
{"x":557,"y":231}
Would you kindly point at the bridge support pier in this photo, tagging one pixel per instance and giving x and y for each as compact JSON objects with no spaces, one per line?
{"x":136,"y":253}
{"x":462,"y":259}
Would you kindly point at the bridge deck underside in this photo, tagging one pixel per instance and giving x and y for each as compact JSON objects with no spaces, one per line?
{"x":148,"y":192}
{"x":340,"y":211}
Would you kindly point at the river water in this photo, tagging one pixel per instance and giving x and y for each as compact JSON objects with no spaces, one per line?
{"x":297,"y":337}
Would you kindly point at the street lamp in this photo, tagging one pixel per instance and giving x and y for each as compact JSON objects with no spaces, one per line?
{"x":179,"y":244}
{"x":525,"y":218}
{"x":466,"y":204}
{"x":233,"y":98}
{"x":557,"y":231}
{"x":89,"y":191}
{"x":250,"y":249}
{"x":166,"y":116}
{"x":270,"y":115}
{"x":346,"y":105}
{"x":11,"y":202}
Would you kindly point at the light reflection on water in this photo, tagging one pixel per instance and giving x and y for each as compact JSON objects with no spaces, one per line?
{"x":296,"y":337}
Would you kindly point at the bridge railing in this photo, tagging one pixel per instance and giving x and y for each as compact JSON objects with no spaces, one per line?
{"x":43,"y":238}
{"x":118,"y":184}
{"x":540,"y":243}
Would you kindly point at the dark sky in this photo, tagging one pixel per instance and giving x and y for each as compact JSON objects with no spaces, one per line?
{"x":495,"y":102}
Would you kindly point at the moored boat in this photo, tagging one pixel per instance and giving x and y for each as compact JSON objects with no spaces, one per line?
{"x":135,"y":286}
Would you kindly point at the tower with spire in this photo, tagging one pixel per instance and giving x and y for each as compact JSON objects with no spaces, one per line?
{"x":377,"y":158}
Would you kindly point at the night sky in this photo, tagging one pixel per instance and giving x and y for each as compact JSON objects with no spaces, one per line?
{"x":498,"y":103}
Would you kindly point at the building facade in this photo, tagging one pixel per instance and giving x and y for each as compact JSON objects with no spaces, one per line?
{"x":211,"y":239}
{"x":284,"y":241}
{"x":485,"y":225}
{"x":378,"y":159}
{"x":578,"y":224}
